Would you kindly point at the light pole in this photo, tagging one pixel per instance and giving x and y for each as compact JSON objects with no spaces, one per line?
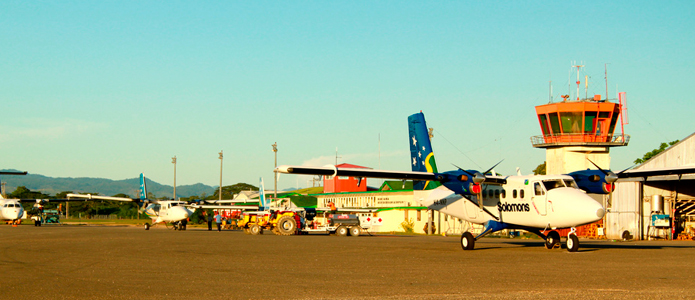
{"x":173,"y":161}
{"x":220,"y":174}
{"x":275,"y":149}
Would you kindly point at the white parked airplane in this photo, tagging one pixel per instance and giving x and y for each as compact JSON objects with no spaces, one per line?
{"x":163,"y":211}
{"x":538,"y":204}
{"x":10,"y":209}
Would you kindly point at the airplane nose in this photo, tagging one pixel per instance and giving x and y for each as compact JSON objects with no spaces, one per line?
{"x":600,"y":212}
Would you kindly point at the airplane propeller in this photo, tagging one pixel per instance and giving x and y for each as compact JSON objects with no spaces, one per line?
{"x":610,"y":176}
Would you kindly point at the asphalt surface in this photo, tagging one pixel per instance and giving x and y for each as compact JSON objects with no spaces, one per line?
{"x":98,"y":262}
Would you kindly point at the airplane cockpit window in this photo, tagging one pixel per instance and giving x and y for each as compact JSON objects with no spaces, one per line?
{"x":173,"y":204}
{"x":537,"y":189}
{"x":571,"y":183}
{"x":553,"y":184}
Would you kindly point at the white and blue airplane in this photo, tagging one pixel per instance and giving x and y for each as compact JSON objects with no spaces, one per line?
{"x":539,"y":204}
{"x":174,"y":212}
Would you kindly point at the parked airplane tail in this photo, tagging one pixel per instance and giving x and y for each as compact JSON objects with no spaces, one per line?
{"x":261,"y":196}
{"x":143,"y":187}
{"x":421,"y":152}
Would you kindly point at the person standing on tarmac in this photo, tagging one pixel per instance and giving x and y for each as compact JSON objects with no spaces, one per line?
{"x":208,"y":218}
{"x":218,"y":221}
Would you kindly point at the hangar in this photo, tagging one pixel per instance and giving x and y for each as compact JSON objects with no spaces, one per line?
{"x":637,"y":203}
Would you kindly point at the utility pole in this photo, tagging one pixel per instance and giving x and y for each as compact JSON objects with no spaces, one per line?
{"x":173,"y":161}
{"x":220,"y":175}
{"x":275,"y":149}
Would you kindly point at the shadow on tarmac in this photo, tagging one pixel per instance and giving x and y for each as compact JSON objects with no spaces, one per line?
{"x":590,"y":246}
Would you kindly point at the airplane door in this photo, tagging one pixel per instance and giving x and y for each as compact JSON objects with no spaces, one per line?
{"x":540,"y":200}
{"x":164,"y":210}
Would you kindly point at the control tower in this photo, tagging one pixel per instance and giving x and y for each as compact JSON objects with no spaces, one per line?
{"x":580,"y":129}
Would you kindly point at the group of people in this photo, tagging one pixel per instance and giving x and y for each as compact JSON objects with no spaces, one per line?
{"x":216,"y":217}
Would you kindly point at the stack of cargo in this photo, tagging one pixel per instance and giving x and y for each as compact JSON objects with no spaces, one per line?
{"x":585,"y":231}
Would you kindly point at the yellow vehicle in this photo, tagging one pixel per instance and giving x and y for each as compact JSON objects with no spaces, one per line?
{"x":279,"y":222}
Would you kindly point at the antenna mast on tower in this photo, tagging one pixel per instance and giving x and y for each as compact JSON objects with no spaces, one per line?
{"x":578,"y":67}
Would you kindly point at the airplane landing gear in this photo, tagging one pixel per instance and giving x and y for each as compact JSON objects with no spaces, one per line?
{"x":147,"y":226}
{"x":552,"y":240}
{"x":572,"y":241}
{"x":467,"y":241}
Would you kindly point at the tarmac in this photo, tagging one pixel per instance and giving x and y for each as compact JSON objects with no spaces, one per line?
{"x":110,"y":262}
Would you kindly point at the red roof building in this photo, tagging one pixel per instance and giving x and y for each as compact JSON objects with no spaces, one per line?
{"x":341,"y":184}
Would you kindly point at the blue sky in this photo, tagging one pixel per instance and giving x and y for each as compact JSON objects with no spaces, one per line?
{"x":114,"y":88}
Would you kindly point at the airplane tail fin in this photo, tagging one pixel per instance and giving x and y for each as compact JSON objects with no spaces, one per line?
{"x":143,"y":188}
{"x":421,"y":154}
{"x":261,"y":196}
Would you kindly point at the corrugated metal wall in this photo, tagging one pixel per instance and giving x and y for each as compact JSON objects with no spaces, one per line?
{"x":624,"y":211}
{"x":680,"y":154}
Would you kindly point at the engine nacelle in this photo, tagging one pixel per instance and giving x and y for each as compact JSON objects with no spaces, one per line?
{"x":594,"y":181}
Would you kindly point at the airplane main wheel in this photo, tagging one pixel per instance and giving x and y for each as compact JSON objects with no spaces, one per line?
{"x":341,"y":231}
{"x":147,"y":226}
{"x":572,"y":243}
{"x":355,"y":231}
{"x":467,"y":241}
{"x":552,"y":240}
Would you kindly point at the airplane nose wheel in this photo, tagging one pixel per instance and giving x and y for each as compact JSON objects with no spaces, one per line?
{"x":467,"y":241}
{"x":572,"y":242}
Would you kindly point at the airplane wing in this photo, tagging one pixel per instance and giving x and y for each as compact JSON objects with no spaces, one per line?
{"x":94,"y":197}
{"x":235,"y":207}
{"x":49,"y":200}
{"x":12,"y":173}
{"x":352,"y":172}
{"x":401,"y":175}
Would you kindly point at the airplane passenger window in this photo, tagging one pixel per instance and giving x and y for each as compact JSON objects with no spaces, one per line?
{"x":503,"y":194}
{"x":514,"y":194}
{"x":497,"y":194}
{"x":521,"y":194}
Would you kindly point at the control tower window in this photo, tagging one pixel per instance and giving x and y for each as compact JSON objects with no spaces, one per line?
{"x":544,"y":124}
{"x":614,"y":119}
{"x":571,"y":122}
{"x":589,"y":117}
{"x":554,"y":123}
